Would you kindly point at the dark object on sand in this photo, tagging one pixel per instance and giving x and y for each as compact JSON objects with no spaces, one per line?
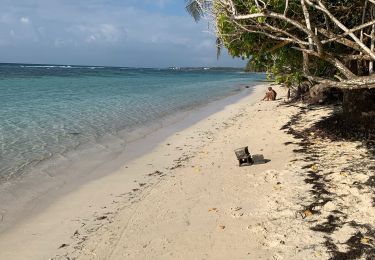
{"x":245,"y":159}
{"x":101,"y":217}
{"x":258,"y":159}
{"x":63,"y":245}
{"x":243,"y":156}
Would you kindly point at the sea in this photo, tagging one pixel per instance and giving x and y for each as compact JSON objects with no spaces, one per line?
{"x":50,"y":110}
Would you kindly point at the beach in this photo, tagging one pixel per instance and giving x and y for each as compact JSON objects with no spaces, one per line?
{"x":193,"y":129}
{"x":189,"y":199}
{"x":63,"y":126}
{"x":188,"y":183}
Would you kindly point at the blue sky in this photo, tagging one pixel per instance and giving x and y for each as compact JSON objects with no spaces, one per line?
{"x":139,"y":33}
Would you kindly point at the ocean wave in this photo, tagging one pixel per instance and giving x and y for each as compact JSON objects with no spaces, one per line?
{"x":61,"y":67}
{"x":47,"y":66}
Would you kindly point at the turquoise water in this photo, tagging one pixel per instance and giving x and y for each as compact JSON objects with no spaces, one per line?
{"x":49,"y":110}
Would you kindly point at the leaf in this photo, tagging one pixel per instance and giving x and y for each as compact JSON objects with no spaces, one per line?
{"x":314,"y":168}
{"x":344,"y":174}
{"x":318,"y":254}
{"x":261,"y":19}
{"x":307,"y":213}
{"x":365,"y":240}
{"x":194,"y":8}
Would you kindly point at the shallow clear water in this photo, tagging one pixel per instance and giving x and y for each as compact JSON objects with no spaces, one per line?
{"x":49,"y":110}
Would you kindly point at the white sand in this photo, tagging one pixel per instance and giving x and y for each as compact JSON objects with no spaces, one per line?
{"x":189,"y":200}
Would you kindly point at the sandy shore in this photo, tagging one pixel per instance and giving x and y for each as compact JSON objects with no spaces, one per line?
{"x":188,"y":199}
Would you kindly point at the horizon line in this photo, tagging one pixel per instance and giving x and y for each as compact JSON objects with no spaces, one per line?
{"x":116,"y":66}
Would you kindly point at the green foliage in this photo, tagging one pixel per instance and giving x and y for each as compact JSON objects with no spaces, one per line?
{"x":194,"y":9}
{"x":282,"y":64}
{"x":253,"y":39}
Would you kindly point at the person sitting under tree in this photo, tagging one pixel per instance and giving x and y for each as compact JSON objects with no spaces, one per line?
{"x":270,"y":95}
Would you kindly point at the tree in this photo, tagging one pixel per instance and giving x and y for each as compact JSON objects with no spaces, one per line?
{"x":329,"y":42}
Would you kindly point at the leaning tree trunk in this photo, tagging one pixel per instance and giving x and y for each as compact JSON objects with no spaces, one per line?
{"x":359,"y":105}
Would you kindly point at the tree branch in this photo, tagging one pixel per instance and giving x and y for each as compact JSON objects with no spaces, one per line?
{"x":331,"y":59}
{"x":322,"y":8}
{"x":298,"y":25}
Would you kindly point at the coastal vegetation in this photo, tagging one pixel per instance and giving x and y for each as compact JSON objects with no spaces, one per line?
{"x":321,"y":44}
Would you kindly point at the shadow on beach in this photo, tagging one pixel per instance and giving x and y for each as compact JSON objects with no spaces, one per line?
{"x":331,"y":133}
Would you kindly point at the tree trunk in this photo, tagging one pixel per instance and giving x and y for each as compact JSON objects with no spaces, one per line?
{"x":359,"y":105}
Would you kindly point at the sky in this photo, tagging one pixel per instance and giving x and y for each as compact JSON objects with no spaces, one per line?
{"x":136,"y":33}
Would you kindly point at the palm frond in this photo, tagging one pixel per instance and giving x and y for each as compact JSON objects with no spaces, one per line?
{"x":195,"y":9}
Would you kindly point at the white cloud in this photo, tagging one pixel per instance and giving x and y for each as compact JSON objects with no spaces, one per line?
{"x":102,"y":33}
{"x":111,"y":33}
{"x":127,"y":32}
{"x":25,"y":20}
{"x":91,"y":38}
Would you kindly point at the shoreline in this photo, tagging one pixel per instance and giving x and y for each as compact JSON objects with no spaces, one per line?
{"x":311,"y":199}
{"x":124,"y":135}
{"x":195,"y":201}
{"x":188,"y":198}
{"x":75,"y":222}
{"x":29,"y":195}
{"x":70,"y":121}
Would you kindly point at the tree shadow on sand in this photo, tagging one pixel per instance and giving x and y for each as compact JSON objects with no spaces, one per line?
{"x":336,"y":129}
